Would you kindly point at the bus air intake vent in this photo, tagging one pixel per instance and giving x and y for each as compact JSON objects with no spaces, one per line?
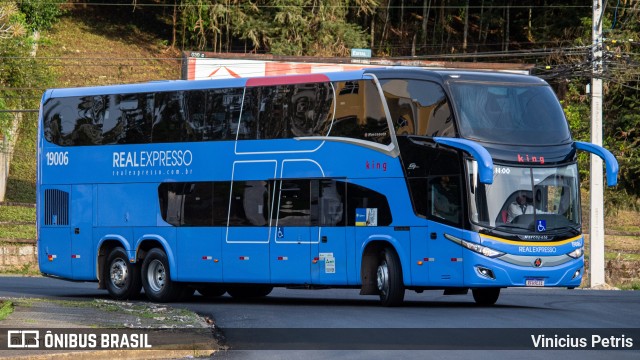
{"x":56,"y":207}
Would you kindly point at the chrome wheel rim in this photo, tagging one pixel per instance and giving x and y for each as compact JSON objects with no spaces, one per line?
{"x":383,"y":278}
{"x":119,"y":273}
{"x":156,"y":276}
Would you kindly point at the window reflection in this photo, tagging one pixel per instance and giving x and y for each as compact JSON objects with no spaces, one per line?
{"x":509,"y":114}
{"x":418,"y":107}
{"x":298,"y":202}
{"x":254,"y":113}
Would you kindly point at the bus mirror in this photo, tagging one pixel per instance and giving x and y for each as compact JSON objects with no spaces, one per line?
{"x":482,"y":156}
{"x":609,"y":160}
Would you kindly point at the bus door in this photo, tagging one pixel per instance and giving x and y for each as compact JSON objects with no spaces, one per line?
{"x":199,"y":245}
{"x":246,"y":246}
{"x":54,"y":243}
{"x":82,"y":249}
{"x":422,"y":259}
{"x":291,"y":245}
{"x":329,"y":246}
{"x":445,"y":266}
{"x":445,"y":209}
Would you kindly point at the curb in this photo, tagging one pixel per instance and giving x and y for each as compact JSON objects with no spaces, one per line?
{"x":100,"y":316}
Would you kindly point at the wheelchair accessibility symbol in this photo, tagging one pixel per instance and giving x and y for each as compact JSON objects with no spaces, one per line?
{"x":541,"y":225}
{"x":280,"y":232}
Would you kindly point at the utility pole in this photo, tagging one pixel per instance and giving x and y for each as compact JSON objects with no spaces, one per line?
{"x":597,"y":192}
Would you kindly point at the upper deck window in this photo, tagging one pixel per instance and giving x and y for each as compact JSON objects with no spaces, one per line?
{"x":418,"y":107}
{"x":515,"y":114}
{"x":351,"y":109}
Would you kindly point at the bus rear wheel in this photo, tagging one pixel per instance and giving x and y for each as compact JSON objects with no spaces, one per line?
{"x":156,"y":278}
{"x":389,"y":279}
{"x":486,"y":296}
{"x":123,"y":277}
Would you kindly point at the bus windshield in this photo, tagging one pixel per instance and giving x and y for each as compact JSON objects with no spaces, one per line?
{"x":509,"y":113}
{"x":526,"y":199}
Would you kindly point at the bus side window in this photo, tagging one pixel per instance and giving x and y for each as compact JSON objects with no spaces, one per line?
{"x":61,"y":116}
{"x":248,"y":205}
{"x":255,"y":200}
{"x":171,"y":198}
{"x":331,"y":202}
{"x":294,"y":203}
{"x":360,"y":198}
{"x":198,"y":204}
{"x":220,"y":202}
{"x":418,"y":107}
{"x":360,"y":114}
{"x":444,"y":198}
{"x":418,"y":187}
{"x":169,"y":123}
{"x":310,"y":106}
{"x":195,"y":107}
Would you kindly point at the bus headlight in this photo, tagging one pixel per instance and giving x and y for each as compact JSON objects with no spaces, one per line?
{"x":483,"y":250}
{"x":576,"y":253}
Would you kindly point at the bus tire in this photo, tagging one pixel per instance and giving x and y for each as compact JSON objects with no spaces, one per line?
{"x":156,"y":278}
{"x":389,"y":279}
{"x":485,"y":296}
{"x":211,"y":291}
{"x":123,"y":277}
{"x":249,"y":292}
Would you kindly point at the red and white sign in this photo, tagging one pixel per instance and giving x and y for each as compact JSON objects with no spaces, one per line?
{"x":211,"y":68}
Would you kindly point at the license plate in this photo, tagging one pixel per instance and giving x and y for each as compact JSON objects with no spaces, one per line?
{"x":534,"y":282}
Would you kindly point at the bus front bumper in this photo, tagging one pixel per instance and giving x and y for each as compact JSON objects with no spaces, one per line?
{"x":520,"y":271}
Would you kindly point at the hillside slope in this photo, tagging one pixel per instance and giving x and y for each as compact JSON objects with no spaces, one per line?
{"x":86,"y":48}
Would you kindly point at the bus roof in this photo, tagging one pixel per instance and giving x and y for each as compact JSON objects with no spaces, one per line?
{"x":444,"y":75}
{"x":177,"y":85}
{"x":437,"y":75}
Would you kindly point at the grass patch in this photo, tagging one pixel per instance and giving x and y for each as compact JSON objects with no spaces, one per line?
{"x":622,"y":256}
{"x":30,"y":269}
{"x":6,"y":308}
{"x":632,"y":286}
{"x":17,"y":214}
{"x":88,"y":48}
{"x":21,"y":184}
{"x":9,"y":232}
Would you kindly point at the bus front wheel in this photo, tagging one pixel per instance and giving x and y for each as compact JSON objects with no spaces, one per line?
{"x":486,"y":296}
{"x":389,"y":279}
{"x":123,"y":277}
{"x":156,"y":278}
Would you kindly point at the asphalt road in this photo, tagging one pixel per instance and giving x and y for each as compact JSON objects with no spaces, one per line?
{"x":312,"y":322}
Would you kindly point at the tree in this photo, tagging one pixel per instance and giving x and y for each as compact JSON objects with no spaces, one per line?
{"x":19,"y":70}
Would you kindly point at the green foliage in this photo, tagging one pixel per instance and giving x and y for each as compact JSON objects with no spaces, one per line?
{"x":21,"y":185}
{"x":41,"y":15}
{"x":17,"y":213}
{"x":578,"y":113}
{"x":6,"y":308}
{"x":20,"y":78}
{"x":281,"y":27}
{"x":620,"y":199}
{"x":6,"y":121}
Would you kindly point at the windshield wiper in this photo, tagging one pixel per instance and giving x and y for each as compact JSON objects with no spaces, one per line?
{"x":504,"y":227}
{"x":508,"y":226}
{"x":572,"y":229}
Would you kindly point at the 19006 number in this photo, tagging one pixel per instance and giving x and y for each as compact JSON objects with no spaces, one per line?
{"x":58,"y":158}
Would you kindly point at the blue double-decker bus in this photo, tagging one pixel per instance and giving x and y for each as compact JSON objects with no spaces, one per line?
{"x":384,"y":180}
